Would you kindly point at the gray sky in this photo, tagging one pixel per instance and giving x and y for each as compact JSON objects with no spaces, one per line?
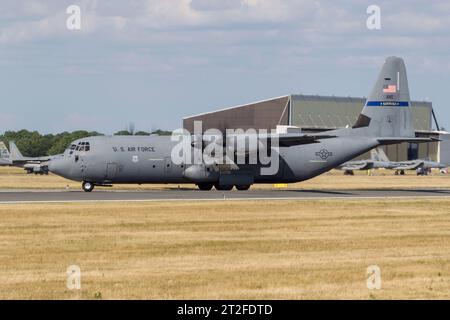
{"x":152,"y":62}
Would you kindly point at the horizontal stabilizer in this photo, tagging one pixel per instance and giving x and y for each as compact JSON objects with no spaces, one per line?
{"x":15,"y":153}
{"x":395,"y":140}
{"x":293,"y":140}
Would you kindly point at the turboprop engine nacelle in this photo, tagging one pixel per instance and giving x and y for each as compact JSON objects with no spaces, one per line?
{"x":201,"y":173}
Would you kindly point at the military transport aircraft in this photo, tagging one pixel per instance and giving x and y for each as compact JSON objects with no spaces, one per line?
{"x":385,"y":119}
{"x":13,"y":157}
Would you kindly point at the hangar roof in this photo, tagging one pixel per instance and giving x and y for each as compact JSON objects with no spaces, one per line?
{"x":305,"y":111}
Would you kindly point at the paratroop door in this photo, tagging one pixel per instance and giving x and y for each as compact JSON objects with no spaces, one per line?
{"x":111,"y":171}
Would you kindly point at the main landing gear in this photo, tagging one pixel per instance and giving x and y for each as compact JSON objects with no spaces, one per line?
{"x":222,"y":187}
{"x":87,"y":186}
{"x":205,"y":186}
{"x":208,"y":186}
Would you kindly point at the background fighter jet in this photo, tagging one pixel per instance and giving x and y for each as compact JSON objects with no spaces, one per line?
{"x":375,"y":162}
{"x":422,"y":166}
{"x":13,"y":157}
{"x":385,"y":119}
{"x":378,"y":159}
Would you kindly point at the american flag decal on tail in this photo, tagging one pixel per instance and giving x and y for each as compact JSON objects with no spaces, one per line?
{"x":392,"y":88}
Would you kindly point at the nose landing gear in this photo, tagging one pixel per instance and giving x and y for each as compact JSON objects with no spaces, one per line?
{"x":87,"y":186}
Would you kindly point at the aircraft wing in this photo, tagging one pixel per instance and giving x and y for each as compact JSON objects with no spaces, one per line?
{"x":395,"y":140}
{"x":410,"y":165}
{"x":38,"y":160}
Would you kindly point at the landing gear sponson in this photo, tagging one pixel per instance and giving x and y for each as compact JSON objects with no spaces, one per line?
{"x":208,"y":186}
{"x":89,"y":186}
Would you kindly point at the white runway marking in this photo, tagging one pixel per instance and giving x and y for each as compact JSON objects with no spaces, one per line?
{"x":222,"y":199}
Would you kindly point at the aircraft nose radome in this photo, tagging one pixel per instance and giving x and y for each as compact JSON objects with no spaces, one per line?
{"x":55,"y":166}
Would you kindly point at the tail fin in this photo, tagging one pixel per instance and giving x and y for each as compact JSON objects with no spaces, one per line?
{"x":4,"y":153}
{"x":387,"y":110}
{"x":15,"y":152}
{"x":381,"y":155}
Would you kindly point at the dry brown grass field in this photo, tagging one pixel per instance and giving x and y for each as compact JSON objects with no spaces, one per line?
{"x":227,"y":249}
{"x":15,"y":178}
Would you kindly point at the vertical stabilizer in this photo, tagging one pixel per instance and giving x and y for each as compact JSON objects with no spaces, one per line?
{"x":15,"y":152}
{"x":387,"y":112}
{"x":4,"y":153}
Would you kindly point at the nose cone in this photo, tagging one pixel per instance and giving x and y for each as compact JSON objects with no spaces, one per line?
{"x":58,"y":167}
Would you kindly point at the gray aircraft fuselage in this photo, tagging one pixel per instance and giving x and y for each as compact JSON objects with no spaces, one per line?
{"x":147,"y":159}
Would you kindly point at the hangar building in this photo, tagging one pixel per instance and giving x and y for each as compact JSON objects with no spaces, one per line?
{"x":314,"y":113}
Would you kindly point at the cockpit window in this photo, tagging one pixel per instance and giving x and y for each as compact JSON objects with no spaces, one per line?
{"x":83,"y":146}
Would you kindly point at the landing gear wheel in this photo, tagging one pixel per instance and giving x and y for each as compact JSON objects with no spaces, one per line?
{"x":87,"y":186}
{"x":223,"y":187}
{"x":205,"y":186}
{"x":243,"y":187}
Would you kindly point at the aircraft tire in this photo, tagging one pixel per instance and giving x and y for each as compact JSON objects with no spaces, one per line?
{"x":87,"y":186}
{"x":243,"y":187}
{"x":222,"y":187}
{"x":205,"y":186}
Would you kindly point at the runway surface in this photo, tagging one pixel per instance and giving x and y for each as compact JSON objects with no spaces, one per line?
{"x":38,"y":196}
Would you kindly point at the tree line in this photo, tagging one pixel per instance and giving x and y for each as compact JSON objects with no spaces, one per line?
{"x":34,"y":144}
